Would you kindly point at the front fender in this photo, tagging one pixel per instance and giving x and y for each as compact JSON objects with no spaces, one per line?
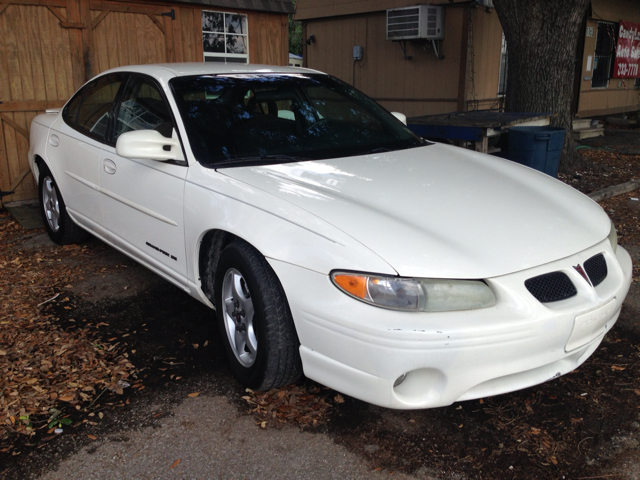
{"x":278,"y":229}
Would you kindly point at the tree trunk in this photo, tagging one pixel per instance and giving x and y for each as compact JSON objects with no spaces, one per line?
{"x":542,"y":41}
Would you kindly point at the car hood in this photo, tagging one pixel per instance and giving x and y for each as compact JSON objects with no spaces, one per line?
{"x":440,"y":211}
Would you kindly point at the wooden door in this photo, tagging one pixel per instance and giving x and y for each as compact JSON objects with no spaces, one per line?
{"x":129,"y":34}
{"x":49,"y":48}
{"x":36,"y":73}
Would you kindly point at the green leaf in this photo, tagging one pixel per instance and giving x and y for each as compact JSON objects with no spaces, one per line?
{"x":66,"y":421}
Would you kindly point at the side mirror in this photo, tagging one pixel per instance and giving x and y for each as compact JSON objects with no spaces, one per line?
{"x":149,"y":144}
{"x":400,"y":116}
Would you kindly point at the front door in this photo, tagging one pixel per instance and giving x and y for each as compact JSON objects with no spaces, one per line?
{"x":143,"y":199}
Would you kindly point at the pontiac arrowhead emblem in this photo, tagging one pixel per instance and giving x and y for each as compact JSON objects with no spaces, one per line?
{"x":582,"y":273}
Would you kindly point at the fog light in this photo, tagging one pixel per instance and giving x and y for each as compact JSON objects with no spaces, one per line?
{"x":399,"y":380}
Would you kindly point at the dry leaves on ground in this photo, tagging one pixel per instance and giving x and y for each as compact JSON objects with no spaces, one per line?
{"x":41,"y":365}
{"x":296,"y":404}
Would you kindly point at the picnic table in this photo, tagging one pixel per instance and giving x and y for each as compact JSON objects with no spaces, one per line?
{"x":475,"y":126}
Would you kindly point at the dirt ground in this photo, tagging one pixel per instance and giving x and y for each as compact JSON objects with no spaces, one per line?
{"x":584,"y":425}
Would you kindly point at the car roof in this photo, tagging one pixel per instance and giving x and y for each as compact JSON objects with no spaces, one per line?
{"x":164,"y":70}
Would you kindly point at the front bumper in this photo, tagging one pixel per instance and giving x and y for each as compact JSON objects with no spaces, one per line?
{"x":445,"y":357}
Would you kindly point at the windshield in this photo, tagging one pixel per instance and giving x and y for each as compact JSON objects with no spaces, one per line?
{"x":249,"y":119}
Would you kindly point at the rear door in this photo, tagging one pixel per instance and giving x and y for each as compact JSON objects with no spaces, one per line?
{"x":74,"y":148}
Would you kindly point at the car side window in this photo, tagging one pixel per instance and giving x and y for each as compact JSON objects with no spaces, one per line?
{"x":143,"y":107}
{"x":91,"y":109}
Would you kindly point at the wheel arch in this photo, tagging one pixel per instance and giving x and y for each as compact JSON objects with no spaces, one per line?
{"x":211,"y":245}
{"x":38,"y":161}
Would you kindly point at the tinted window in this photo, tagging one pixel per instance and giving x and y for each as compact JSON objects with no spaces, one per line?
{"x":143,"y":107}
{"x":90,"y":110}
{"x":272,"y":118}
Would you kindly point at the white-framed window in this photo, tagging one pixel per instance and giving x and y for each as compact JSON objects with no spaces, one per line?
{"x":225,"y":37}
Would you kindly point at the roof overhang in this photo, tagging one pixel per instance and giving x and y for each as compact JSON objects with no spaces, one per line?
{"x":310,"y":9}
{"x":272,"y":6}
{"x":616,"y":10}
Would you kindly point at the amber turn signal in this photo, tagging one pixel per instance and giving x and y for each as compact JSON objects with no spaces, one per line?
{"x":356,"y":285}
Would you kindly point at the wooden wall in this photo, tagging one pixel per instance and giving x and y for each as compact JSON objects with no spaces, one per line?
{"x":314,"y":9}
{"x":483,"y":67}
{"x":49,"y":48}
{"x":616,"y":97}
{"x":424,"y":84}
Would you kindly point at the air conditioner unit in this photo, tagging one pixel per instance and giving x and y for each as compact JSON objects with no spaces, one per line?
{"x":412,"y":23}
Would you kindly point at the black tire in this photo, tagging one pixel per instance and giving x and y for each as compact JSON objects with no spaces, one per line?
{"x":266,"y":354}
{"x":61,"y":229}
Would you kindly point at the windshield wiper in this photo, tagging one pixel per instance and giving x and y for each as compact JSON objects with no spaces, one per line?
{"x":273,"y":158}
{"x":377,"y":150}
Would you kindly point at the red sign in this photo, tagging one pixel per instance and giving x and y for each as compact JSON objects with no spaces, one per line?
{"x":627,"y":51}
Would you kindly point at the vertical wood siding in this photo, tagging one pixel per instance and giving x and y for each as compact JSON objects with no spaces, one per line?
{"x":35,"y":72}
{"x":419,"y":86}
{"x":485,"y":62}
{"x":49,"y":48}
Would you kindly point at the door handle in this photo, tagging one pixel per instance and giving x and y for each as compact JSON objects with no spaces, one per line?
{"x":54,"y":140}
{"x":109,"y":166}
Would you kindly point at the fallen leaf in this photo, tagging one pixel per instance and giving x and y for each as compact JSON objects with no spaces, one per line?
{"x":194,"y":394}
{"x":67,"y":398}
{"x":2,"y":352}
{"x":616,"y":367}
{"x":338,"y":399}
{"x":92,"y":437}
{"x":174,"y":464}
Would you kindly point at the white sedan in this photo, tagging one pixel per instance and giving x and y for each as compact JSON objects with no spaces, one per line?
{"x":328,"y":237}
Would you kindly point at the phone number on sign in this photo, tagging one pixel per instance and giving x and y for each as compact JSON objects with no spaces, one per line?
{"x":628,"y":70}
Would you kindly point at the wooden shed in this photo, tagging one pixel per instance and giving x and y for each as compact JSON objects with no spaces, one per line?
{"x":470,"y":74}
{"x":49,"y":48}
{"x":601,"y":91}
{"x":408,"y":76}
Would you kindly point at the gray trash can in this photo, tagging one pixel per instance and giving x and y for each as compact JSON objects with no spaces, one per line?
{"x":537,"y":147}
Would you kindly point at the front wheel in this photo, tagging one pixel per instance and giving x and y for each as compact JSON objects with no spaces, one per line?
{"x":61,"y":229}
{"x":254,"y":320}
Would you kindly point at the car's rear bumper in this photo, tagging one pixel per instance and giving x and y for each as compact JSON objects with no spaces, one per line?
{"x":362,"y":350}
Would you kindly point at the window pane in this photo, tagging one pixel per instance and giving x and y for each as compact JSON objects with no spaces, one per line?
{"x":236,"y":44}
{"x":213,"y":43}
{"x":95,"y":111}
{"x":70,"y":112}
{"x":143,"y":108}
{"x":235,"y":23}
{"x":212,"y":22}
{"x":603,"y":58}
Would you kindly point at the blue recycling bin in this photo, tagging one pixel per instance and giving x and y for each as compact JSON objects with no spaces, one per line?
{"x":537,"y":147}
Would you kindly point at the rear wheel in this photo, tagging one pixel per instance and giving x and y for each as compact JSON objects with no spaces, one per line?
{"x":61,"y":229}
{"x":254,"y":320}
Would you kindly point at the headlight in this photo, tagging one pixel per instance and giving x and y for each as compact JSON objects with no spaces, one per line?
{"x":415,"y":294}
{"x":613,"y":237}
